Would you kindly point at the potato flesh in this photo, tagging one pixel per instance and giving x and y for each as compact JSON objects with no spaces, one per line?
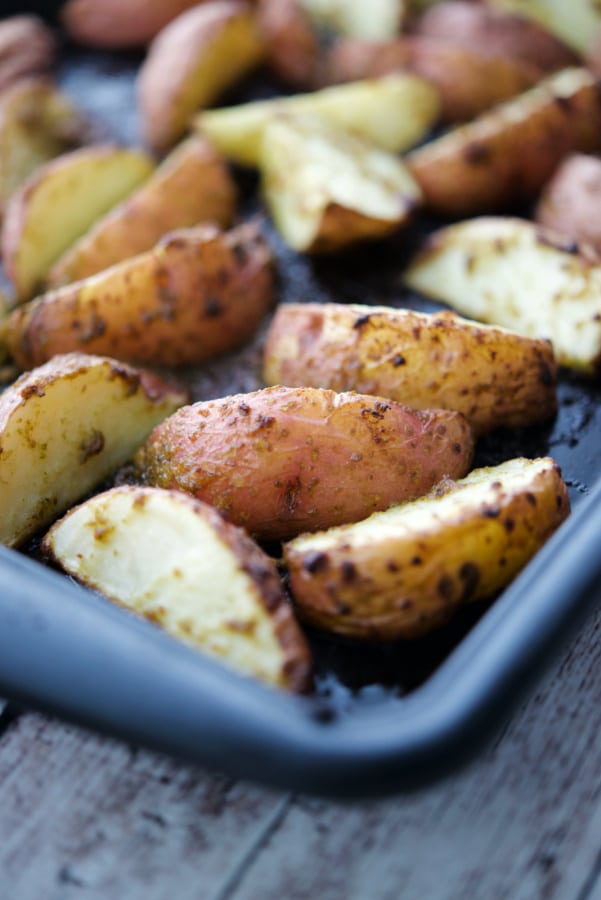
{"x":191,"y":63}
{"x":403,"y":571}
{"x":494,"y":377}
{"x":59,"y":203}
{"x":66,"y":426}
{"x":511,"y":273}
{"x":197,"y":294}
{"x":392,"y":112}
{"x":327,"y":189}
{"x":200,"y":587}
{"x":285,"y":460}
{"x":191,"y":186}
{"x":378,"y":20}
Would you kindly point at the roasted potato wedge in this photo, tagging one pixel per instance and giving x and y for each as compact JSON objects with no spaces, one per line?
{"x":66,"y":426}
{"x":327,"y":189}
{"x":513,"y":273}
{"x":377,"y":20}
{"x":505,"y":156}
{"x":191,"y":63}
{"x":569,"y":203}
{"x":284,"y":460}
{"x":394,"y":113}
{"x":27,"y":48}
{"x":199,"y":293}
{"x":495,"y":32}
{"x":403,"y":572}
{"x":115,"y":25}
{"x":577,"y":22}
{"x":292,"y":46}
{"x":59,"y":202}
{"x":191,"y":186}
{"x":468,"y":81}
{"x":496,"y":378}
{"x":210,"y":586}
{"x":37,"y":123}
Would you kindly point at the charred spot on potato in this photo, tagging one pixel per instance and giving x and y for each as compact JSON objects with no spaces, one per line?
{"x":398,"y":360}
{"x":315,"y":562}
{"x":292,"y":495}
{"x":531,"y":499}
{"x":546,"y":375}
{"x":95,"y":328}
{"x":446,"y":587}
{"x":477,"y":154}
{"x":91,"y":446}
{"x":469,"y":574}
{"x":492,"y":512}
{"x":32,"y":390}
{"x":509,"y":525}
{"x":361,"y":321}
{"x":348,"y":571}
{"x":213,"y":307}
{"x":240,"y":253}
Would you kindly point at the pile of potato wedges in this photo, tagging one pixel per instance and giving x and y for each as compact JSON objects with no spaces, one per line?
{"x":335,"y":487}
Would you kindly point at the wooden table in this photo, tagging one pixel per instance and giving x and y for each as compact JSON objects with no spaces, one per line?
{"x":82,"y":816}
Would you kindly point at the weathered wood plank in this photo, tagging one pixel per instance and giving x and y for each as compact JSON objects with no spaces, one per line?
{"x":83,"y":816}
{"x":523,"y":822}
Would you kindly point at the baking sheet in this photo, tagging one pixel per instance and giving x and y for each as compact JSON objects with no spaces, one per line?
{"x":353,"y":679}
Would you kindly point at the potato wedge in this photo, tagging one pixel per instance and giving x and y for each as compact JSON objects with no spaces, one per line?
{"x":191,"y":63}
{"x":405,"y":571}
{"x":115,"y":25}
{"x":327,"y":189}
{"x":199,"y":293}
{"x":577,"y":22}
{"x":394,"y":113}
{"x":504,"y":157}
{"x":284,"y":460}
{"x":513,"y":273}
{"x":469,"y":82}
{"x":292,"y":46}
{"x":496,"y":378}
{"x":210,"y":586}
{"x":191,"y":186}
{"x":37,"y":123}
{"x":495,"y":32}
{"x":59,"y":202}
{"x":377,"y":20}
{"x":569,"y":202}
{"x":66,"y":426}
{"x":27,"y":48}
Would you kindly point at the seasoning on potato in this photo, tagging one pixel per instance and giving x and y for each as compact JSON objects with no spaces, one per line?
{"x":405,"y":571}
{"x":496,"y":378}
{"x":394,"y":113}
{"x":327,"y":189}
{"x":284,"y":460}
{"x":210,"y":585}
{"x":505,"y":156}
{"x":197,"y":294}
{"x":515,"y":274}
{"x":59,"y":202}
{"x":64,"y":427}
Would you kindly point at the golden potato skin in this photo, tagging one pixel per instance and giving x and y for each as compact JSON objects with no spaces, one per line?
{"x":469,"y":82}
{"x":192,"y":185}
{"x":211,"y":586}
{"x":494,"y":377}
{"x":405,"y":571}
{"x":285,"y":460}
{"x":191,"y":62}
{"x":505,"y":156}
{"x":569,"y":203}
{"x":197,"y":294}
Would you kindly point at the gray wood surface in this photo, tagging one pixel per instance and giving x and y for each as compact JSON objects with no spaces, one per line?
{"x":82,"y":816}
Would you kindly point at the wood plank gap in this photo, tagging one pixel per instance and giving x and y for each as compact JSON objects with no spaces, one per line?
{"x":259,"y":840}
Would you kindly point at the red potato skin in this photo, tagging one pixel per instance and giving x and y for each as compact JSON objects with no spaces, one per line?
{"x":292,"y":46}
{"x":569,"y":203}
{"x":198,"y":294}
{"x":286,"y":460}
{"x":469,"y":82}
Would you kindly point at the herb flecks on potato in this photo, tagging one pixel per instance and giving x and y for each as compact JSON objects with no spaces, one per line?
{"x":210,"y":585}
{"x":405,"y":571}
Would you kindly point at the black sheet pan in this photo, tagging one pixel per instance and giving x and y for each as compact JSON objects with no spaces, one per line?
{"x":381,"y":718}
